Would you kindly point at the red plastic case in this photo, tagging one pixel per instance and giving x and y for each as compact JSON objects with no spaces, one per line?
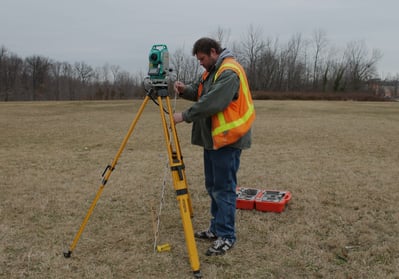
{"x":246,"y":198}
{"x":273,"y":201}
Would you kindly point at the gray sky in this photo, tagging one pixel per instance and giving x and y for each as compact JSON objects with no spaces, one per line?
{"x":121,"y":32}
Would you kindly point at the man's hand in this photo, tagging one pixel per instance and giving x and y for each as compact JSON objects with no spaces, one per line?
{"x":179,"y":87}
{"x":178,"y":117}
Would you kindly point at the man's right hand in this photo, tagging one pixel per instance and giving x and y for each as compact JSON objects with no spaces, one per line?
{"x":179,"y":87}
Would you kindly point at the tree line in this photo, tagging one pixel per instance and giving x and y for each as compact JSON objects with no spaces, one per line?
{"x":298,"y":65}
{"x":301,"y":64}
{"x":39,"y":78}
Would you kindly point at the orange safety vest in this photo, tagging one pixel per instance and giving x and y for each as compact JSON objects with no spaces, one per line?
{"x":233,"y":122}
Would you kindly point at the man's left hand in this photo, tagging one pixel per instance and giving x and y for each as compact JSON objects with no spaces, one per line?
{"x":178,"y":117}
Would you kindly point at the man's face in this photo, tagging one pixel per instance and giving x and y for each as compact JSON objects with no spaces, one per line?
{"x":207,"y":61}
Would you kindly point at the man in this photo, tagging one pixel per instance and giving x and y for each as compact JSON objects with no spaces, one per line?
{"x":222,"y":116}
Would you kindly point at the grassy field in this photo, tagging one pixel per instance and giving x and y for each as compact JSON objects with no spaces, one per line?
{"x":340,"y":161}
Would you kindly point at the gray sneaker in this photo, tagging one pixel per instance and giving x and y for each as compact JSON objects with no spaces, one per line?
{"x":219,"y":247}
{"x":207,"y":235}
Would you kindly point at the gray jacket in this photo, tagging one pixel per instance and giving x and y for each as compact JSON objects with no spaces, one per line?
{"x":215,"y":97}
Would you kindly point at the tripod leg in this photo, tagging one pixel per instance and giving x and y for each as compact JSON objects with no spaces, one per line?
{"x":178,"y":152}
{"x":107,"y":173}
{"x":180,"y":186}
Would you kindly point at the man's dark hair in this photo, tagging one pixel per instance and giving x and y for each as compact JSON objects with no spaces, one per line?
{"x":205,"y":45}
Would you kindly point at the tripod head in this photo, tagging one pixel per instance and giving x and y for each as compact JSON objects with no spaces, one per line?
{"x":155,"y":89}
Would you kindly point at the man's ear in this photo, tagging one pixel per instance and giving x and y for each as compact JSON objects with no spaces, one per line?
{"x":213,"y":52}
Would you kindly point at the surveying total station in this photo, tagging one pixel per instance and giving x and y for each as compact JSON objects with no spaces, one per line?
{"x":156,"y":86}
{"x":158,"y":68}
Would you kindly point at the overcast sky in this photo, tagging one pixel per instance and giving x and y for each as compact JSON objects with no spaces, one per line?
{"x":121,"y":32}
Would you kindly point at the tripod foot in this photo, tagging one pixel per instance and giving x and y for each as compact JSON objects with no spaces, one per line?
{"x":197,"y":274}
{"x":67,"y":254}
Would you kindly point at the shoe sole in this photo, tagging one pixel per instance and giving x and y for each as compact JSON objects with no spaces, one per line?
{"x":209,"y":254}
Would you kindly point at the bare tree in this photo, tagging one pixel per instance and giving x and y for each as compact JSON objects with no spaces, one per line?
{"x":84,"y":71}
{"x":70,"y":80}
{"x":128,"y":86}
{"x":104,"y":73}
{"x":3,"y":56}
{"x":37,"y":67}
{"x":294,"y":67}
{"x":55,"y":72}
{"x":10,"y":71}
{"x":319,"y":43}
{"x":177,"y":59}
{"x":268,"y":64}
{"x":360,"y":67}
{"x":222,"y":35}
{"x":115,"y":69}
{"x":186,"y":67}
{"x":252,"y":47}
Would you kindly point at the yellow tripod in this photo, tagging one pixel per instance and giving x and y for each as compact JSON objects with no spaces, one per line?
{"x":177,"y":169}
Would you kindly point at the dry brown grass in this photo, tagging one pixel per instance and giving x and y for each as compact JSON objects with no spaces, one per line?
{"x":340,"y":160}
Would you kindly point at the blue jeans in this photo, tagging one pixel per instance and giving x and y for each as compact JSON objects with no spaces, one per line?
{"x":221,"y":168}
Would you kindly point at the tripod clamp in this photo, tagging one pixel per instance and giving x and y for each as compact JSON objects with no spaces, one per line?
{"x":108,"y":167}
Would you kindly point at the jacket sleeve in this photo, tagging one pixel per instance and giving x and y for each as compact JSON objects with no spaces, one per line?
{"x":191,"y":91}
{"x":218,"y":97}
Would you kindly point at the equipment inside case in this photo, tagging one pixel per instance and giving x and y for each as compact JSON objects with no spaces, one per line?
{"x":262,"y":200}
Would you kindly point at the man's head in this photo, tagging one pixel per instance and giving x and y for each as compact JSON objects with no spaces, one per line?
{"x":207,"y":51}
